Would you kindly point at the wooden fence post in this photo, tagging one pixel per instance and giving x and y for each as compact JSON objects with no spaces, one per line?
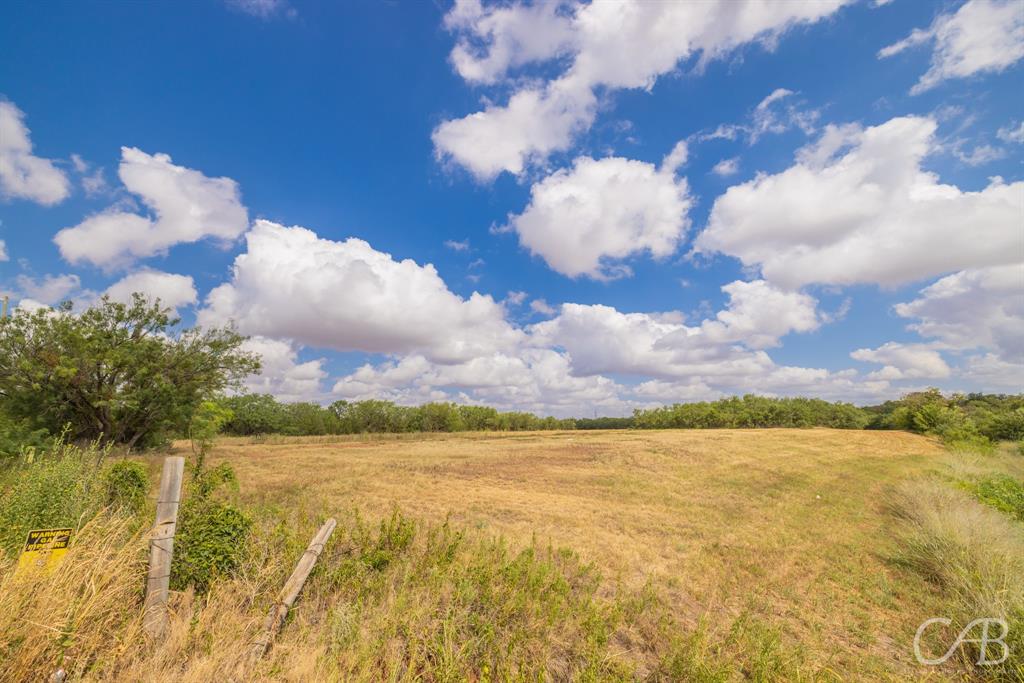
{"x":291,"y":589}
{"x":161,"y":547}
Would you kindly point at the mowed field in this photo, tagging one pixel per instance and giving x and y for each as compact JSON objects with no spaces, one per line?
{"x":789,"y":528}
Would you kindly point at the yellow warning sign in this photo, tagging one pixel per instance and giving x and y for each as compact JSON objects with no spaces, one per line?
{"x":44,"y":549}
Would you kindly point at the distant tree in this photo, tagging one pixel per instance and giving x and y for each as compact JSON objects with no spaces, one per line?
{"x":310,"y":419}
{"x":440,"y":417}
{"x":752,"y":411}
{"x":116,"y":372}
{"x":478,"y":418}
{"x":254,"y":414}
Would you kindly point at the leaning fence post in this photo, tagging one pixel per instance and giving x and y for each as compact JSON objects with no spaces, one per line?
{"x":161,"y":546}
{"x":291,"y":589}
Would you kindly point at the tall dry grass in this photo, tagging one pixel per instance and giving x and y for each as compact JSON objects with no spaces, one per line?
{"x":396,"y":598}
{"x":393,"y":600}
{"x":975,"y":556}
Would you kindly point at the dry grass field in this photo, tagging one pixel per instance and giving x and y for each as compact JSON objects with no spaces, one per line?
{"x":787,"y":527}
{"x":711,"y":556}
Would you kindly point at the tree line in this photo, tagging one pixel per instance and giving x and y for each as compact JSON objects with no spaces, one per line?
{"x":253,"y":414}
{"x":752,"y":411}
{"x":130,"y":374}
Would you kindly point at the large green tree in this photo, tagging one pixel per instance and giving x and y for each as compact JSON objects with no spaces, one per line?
{"x":115,"y":372}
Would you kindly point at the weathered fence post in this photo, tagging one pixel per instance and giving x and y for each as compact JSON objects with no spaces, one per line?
{"x":161,"y":546}
{"x":291,"y":589}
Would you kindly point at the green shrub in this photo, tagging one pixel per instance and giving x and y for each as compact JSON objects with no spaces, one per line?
{"x":212,"y":531}
{"x":1006,"y":426}
{"x":209,"y":544}
{"x":126,"y":484}
{"x":933,"y":418}
{"x":1001,"y":492}
{"x":57,"y":488}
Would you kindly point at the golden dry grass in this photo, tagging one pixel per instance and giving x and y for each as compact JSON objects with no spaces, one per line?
{"x":766,"y":555}
{"x":785,"y":525}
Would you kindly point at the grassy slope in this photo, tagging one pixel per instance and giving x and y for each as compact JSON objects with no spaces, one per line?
{"x":786,"y":526}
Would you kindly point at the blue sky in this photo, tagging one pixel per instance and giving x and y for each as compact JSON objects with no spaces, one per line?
{"x":848,"y":172}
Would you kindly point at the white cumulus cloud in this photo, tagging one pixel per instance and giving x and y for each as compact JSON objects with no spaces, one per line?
{"x":22,"y":174}
{"x":281,"y":372}
{"x":664,"y":346}
{"x":290,"y":283}
{"x":50,"y":289}
{"x":613,"y":45}
{"x":187,"y":206}
{"x":585,"y":219}
{"x":904,"y":361}
{"x":173,"y":291}
{"x":971,"y":309}
{"x":494,"y":39}
{"x":857,"y":207}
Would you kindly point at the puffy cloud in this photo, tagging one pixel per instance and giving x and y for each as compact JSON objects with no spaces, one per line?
{"x":629,"y":342}
{"x":581,"y":220}
{"x":983,"y":36}
{"x":3,"y":251}
{"x":511,"y":35}
{"x":298,"y":289}
{"x":346,"y":295}
{"x":614,"y":45}
{"x":982,"y":308}
{"x":663,"y":346}
{"x":538,"y":380}
{"x":282,"y":374}
{"x":173,"y":291}
{"x":51,"y":289}
{"x":987,"y":371}
{"x":675,"y":392}
{"x":188,"y":206}
{"x":904,"y":361}
{"x":858,"y":208}
{"x":22,"y":174}
{"x":531,"y":126}
{"x":758,"y":315}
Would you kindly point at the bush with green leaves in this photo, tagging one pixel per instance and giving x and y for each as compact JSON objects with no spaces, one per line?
{"x":1001,"y":492}
{"x":61,"y":487}
{"x":212,"y":530}
{"x":126,"y":484}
